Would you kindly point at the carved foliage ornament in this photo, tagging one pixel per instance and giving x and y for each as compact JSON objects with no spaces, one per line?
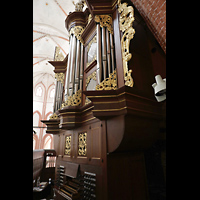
{"x":82,"y":144}
{"x":91,"y":76}
{"x":109,"y":83}
{"x":105,"y":21}
{"x":126,"y":19}
{"x":74,"y":100}
{"x":54,"y":116}
{"x":77,"y":31}
{"x":60,"y":77}
{"x":58,"y":55}
{"x":67,"y":145}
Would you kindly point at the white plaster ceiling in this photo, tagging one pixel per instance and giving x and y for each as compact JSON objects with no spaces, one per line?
{"x":48,"y":32}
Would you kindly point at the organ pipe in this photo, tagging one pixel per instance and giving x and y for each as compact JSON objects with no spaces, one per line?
{"x":108,"y":51}
{"x":99,"y":63}
{"x":72,"y":67}
{"x":68,"y":68}
{"x":112,"y":52}
{"x":77,"y":67}
{"x":81,"y":68}
{"x":104,"y":51}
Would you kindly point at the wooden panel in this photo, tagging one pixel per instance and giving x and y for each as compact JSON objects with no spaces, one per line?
{"x":96,"y":143}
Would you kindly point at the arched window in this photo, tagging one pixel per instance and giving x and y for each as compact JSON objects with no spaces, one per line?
{"x":52,"y":93}
{"x":47,"y":142}
{"x":39,"y":91}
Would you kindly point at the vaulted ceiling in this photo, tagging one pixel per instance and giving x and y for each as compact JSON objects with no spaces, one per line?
{"x":49,"y":30}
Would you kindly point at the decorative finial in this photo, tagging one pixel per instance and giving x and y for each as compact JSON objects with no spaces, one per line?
{"x":79,"y":5}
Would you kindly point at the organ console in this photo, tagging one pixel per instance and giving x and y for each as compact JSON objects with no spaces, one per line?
{"x":105,"y":114}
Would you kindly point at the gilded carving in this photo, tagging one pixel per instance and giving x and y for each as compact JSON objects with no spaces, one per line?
{"x":105,"y":21}
{"x":60,"y":77}
{"x":54,"y":116}
{"x":82,"y":144}
{"x":67,"y":145}
{"x":92,"y":52}
{"x":89,"y":18}
{"x":77,"y":31}
{"x":109,"y":83}
{"x":74,"y":100}
{"x":126,"y":19}
{"x":91,"y":76}
{"x":79,"y":5}
{"x":58,"y":55}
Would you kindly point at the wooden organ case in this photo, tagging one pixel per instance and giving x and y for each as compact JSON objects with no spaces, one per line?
{"x":105,"y":112}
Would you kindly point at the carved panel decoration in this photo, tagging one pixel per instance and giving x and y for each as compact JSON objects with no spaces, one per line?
{"x":82,"y":144}
{"x":126,"y":19}
{"x":60,"y":77}
{"x":68,"y":145}
{"x":91,"y":76}
{"x":92,"y":51}
{"x":58,"y":55}
{"x":105,"y":21}
{"x":74,"y":100}
{"x":109,"y":83}
{"x":77,"y":31}
{"x":54,"y":116}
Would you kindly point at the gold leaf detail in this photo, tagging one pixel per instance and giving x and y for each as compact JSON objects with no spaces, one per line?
{"x":82,"y":144}
{"x":68,"y":145}
{"x":125,"y":21}
{"x":109,"y":83}
{"x":91,"y":76}
{"x":54,"y":116}
{"x":77,"y":31}
{"x":58,"y":55}
{"x":60,"y":77}
{"x":74,"y":100}
{"x":105,"y":21}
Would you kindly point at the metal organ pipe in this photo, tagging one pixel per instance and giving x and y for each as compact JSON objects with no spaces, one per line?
{"x":104,"y":51}
{"x":99,"y":60}
{"x":72,"y":67}
{"x":74,"y":72}
{"x":81,"y":68}
{"x":77,"y":70}
{"x":108,"y":51}
{"x":68,"y":68}
{"x":112,"y":52}
{"x":55,"y":98}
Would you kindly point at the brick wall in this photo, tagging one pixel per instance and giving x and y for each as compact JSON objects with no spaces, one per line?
{"x":154,"y":14}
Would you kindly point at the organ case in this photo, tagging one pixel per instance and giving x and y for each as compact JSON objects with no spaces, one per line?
{"x":108,"y":115}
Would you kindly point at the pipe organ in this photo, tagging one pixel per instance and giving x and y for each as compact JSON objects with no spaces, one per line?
{"x":103,"y":120}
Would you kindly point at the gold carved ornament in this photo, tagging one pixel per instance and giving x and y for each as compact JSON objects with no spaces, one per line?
{"x":77,"y":31}
{"x":58,"y":55}
{"x":67,"y":145}
{"x":74,"y":100}
{"x":125,"y":21}
{"x":54,"y":116}
{"x":94,"y":40}
{"x":105,"y":21}
{"x":91,"y":76}
{"x":109,"y":83}
{"x":88,"y":79}
{"x":82,"y":144}
{"x":60,"y":77}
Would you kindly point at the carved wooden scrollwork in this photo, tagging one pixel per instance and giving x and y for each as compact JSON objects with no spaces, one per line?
{"x":105,"y":21}
{"x":109,"y":83}
{"x":126,"y":19}
{"x":74,"y":100}
{"x":82,"y":144}
{"x":68,"y":145}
